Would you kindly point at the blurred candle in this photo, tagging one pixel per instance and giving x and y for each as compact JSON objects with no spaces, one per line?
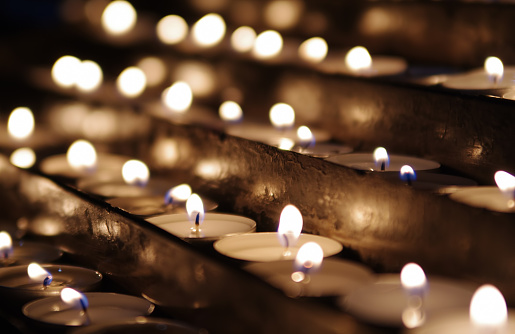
{"x":23,"y":157}
{"x":135,"y":172}
{"x":65,"y":71}
{"x":268,"y":44}
{"x":290,"y":227}
{"x":178,"y":97}
{"x":172,"y":29}
{"x":119,"y":17}
{"x":282,"y":116}
{"x":20,"y":124}
{"x":131,"y":82}
{"x":488,"y":311}
{"x":89,"y":76}
{"x":230,"y":111}
{"x":381,"y":158}
{"x":494,"y":68}
{"x":358,"y":60}
{"x":313,"y":50}
{"x":209,"y":30}
{"x":82,"y":156}
{"x":243,"y":38}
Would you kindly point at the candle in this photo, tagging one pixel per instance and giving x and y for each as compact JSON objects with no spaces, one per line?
{"x":390,"y":163}
{"x":267,"y":45}
{"x":23,"y":252}
{"x":336,"y":277}
{"x":148,"y":325}
{"x":196,"y":225}
{"x":118,"y":18}
{"x":172,"y":29}
{"x":493,"y":75}
{"x":209,"y":30}
{"x":101,"y":308}
{"x":26,"y":282}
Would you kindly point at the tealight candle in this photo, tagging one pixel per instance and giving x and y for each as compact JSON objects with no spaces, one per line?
{"x":147,"y":325}
{"x":388,"y":163}
{"x":493,"y":75}
{"x":101,"y":308}
{"x":23,"y":252}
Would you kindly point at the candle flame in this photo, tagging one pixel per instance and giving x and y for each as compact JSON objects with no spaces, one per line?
{"x":38,"y":274}
{"x":73,"y":297}
{"x":494,"y":68}
{"x":286,"y":144}
{"x":89,"y":76}
{"x":178,"y":97}
{"x":6,"y":245}
{"x":268,"y":44}
{"x":413,"y":277}
{"x":358,"y":59}
{"x":407,"y":173}
{"x":290,"y":226}
{"x":209,"y":30}
{"x":243,"y":39}
{"x":305,"y":136}
{"x":135,"y":172}
{"x":381,"y":157}
{"x":179,"y":193}
{"x":488,"y":308}
{"x":65,"y":71}
{"x":23,"y":157}
{"x":230,"y":111}
{"x":82,"y":156}
{"x":308,"y":260}
{"x":20,"y":124}
{"x":313,"y":50}
{"x":282,"y":116}
{"x":119,"y":17}
{"x":131,"y":82}
{"x":195,"y":207}
{"x":172,"y":29}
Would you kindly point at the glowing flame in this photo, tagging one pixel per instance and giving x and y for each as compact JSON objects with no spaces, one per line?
{"x":413,"y":277}
{"x":82,"y":156}
{"x":286,"y":144}
{"x":308,"y":260}
{"x":198,"y":75}
{"x":135,"y":172}
{"x":154,"y":69}
{"x":89,"y":76}
{"x":282,"y":115}
{"x":209,"y":30}
{"x":178,"y":193}
{"x":290,"y":226}
{"x":243,"y":38}
{"x":37,"y":273}
{"x":119,"y":17}
{"x":230,"y":111}
{"x":381,"y":157}
{"x":172,"y":29}
{"x":358,"y":59}
{"x":313,"y":49}
{"x":305,"y":136}
{"x":506,"y":184}
{"x":131,"y":82}
{"x":407,"y":173}
{"x":23,"y":157}
{"x":178,"y":97}
{"x":6,"y":245}
{"x":494,"y":68}
{"x":65,"y":71}
{"x":488,"y":308}
{"x":73,"y":297}
{"x":195,"y":208}
{"x":20,"y":124}
{"x":268,"y":44}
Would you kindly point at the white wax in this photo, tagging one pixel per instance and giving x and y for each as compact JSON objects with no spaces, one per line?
{"x":365,"y":161}
{"x":107,"y":164}
{"x":336,"y":277}
{"x":478,"y":79}
{"x":490,"y":198}
{"x":383,"y":302}
{"x":265,"y":246}
{"x":154,"y":205}
{"x":103,"y":307}
{"x":438,"y":183}
{"x":215,"y":225}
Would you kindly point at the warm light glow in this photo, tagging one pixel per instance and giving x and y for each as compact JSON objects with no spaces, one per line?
{"x":131,"y":82}
{"x":243,"y":38}
{"x":65,"y":71}
{"x":89,"y":76}
{"x":82,"y":156}
{"x":305,"y":136}
{"x":154,"y":69}
{"x":195,"y":207}
{"x":37,"y":273}
{"x":290,"y":226}
{"x":494,"y":68}
{"x":286,"y":144}
{"x":506,"y":184}
{"x":488,"y":308}
{"x":358,"y":59}
{"x":381,"y":157}
{"x":178,"y":97}
{"x":73,"y":297}
{"x":6,"y":244}
{"x":23,"y":157}
{"x":200,"y":77}
{"x":172,"y":29}
{"x":413,"y":277}
{"x":283,"y":14}
{"x":135,"y":172}
{"x":407,"y":173}
{"x":209,"y":30}
{"x":282,"y":115}
{"x":119,"y":17}
{"x":309,"y":258}
{"x":313,"y":50}
{"x":230,"y":111}
{"x":179,"y":193}
{"x":20,"y":124}
{"x":100,"y":123}
{"x":268,"y":44}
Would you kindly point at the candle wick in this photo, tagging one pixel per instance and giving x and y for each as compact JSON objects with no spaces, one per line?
{"x":87,"y":321}
{"x":47,"y":281}
{"x":197,"y":220}
{"x":408,"y":179}
{"x":287,"y":248}
{"x":383,"y":166}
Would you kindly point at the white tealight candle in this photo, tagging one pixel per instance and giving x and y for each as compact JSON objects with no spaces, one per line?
{"x":493,"y":75}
